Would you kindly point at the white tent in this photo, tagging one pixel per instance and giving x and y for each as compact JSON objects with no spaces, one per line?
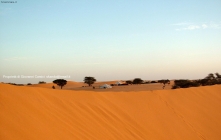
{"x":105,"y":86}
{"x":118,"y":83}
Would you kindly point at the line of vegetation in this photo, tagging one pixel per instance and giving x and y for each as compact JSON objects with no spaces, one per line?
{"x":41,"y":82}
{"x":211,"y":79}
{"x":208,"y":80}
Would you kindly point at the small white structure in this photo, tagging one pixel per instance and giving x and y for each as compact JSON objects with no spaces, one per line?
{"x":105,"y":86}
{"x":118,"y":83}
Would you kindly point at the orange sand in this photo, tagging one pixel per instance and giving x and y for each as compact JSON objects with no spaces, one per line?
{"x":33,"y":113}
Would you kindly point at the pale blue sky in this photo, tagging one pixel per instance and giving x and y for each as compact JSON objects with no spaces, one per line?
{"x":109,"y":39}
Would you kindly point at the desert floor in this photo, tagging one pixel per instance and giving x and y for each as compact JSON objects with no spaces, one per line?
{"x":134,"y":112}
{"x":84,"y":87}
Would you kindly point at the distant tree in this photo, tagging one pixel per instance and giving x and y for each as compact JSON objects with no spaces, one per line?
{"x":29,"y":84}
{"x":41,"y":82}
{"x":210,"y":80}
{"x":218,"y":75}
{"x":60,"y":82}
{"x":89,"y":80}
{"x":210,"y":76}
{"x":218,"y":78}
{"x":129,"y":82}
{"x":137,"y":81}
{"x":164,"y":81}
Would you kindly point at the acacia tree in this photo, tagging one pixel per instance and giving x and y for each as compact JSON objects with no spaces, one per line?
{"x":210,"y":76}
{"x":137,"y":81}
{"x":60,"y":82}
{"x":89,"y":80}
{"x":164,"y":81}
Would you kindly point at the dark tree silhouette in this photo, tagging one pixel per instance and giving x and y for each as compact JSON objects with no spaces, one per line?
{"x":210,"y":79}
{"x":185,"y":83}
{"x":204,"y":81}
{"x":41,"y":82}
{"x":60,"y":82}
{"x":218,"y":75}
{"x":137,"y":81}
{"x":89,"y":80}
{"x":210,"y":76}
{"x":164,"y":81}
{"x":129,"y":82}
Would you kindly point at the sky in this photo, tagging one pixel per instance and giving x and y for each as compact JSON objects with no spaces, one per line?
{"x":109,"y":40}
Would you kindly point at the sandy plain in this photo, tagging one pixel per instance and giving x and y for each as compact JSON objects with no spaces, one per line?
{"x":135,"y":112}
{"x":80,"y":86}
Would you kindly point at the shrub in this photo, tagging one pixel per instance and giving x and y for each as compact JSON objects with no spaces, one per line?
{"x":218,"y":81}
{"x":129,"y":82}
{"x":19,"y":84}
{"x":185,"y":84}
{"x":207,"y":82}
{"x":175,"y":87}
{"x":137,"y":81}
{"x":164,"y":81}
{"x":12,"y":83}
{"x":41,"y":82}
{"x":123,"y":84}
{"x":210,"y":79}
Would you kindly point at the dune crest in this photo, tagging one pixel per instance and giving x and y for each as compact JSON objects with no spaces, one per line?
{"x":43,"y":113}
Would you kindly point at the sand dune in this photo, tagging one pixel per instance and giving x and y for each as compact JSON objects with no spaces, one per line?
{"x":42,"y":114}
